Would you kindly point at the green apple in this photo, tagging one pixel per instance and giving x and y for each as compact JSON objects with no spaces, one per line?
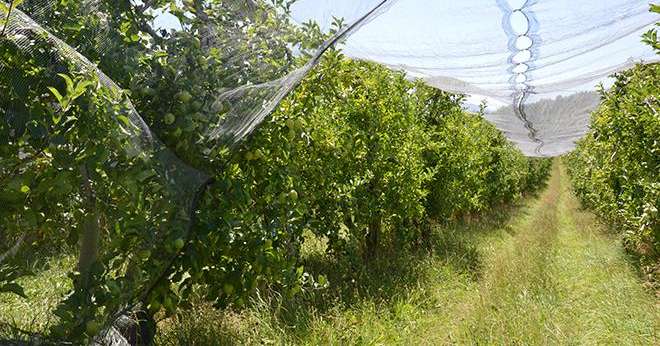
{"x":299,"y":124}
{"x":184,"y":96}
{"x":113,"y":287}
{"x":154,"y":307}
{"x":168,"y":303}
{"x":196,"y":105}
{"x":92,"y":327}
{"x":169,"y":119}
{"x":149,"y":91}
{"x":293,"y":195}
{"x":178,"y":244}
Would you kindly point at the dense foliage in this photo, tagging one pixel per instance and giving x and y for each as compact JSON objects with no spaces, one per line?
{"x":351,"y":156}
{"x":474,"y":166}
{"x":615,"y":168}
{"x":357,"y":154}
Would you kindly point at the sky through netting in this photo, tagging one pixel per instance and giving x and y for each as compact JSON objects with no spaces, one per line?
{"x":536,"y":63}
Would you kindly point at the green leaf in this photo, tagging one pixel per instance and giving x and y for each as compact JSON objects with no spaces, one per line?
{"x":124,"y":120}
{"x":322,"y":280}
{"x":74,"y":89}
{"x":169,"y":119}
{"x":80,"y":88}
{"x":5,"y":9}
{"x":64,"y":103}
{"x":69,"y":83}
{"x":57,"y":94}
{"x":144,"y":175}
{"x":56,"y":118}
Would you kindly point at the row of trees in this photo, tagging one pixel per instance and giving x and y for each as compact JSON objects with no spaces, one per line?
{"x":360,"y":156}
{"x":357,"y":154}
{"x":615,"y":168}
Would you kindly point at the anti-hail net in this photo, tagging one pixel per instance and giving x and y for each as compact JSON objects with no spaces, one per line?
{"x":78,"y":156}
{"x":531,"y":59}
{"x":536,"y":63}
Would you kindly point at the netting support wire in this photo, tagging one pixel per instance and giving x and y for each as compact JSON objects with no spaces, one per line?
{"x":343,"y":33}
{"x":519,"y":109}
{"x":6,"y":23}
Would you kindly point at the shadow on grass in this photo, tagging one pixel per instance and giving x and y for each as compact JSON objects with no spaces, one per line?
{"x":31,"y":260}
{"x":645,"y":264}
{"x":391,"y":276}
{"x":11,"y":335}
{"x":43,"y":278}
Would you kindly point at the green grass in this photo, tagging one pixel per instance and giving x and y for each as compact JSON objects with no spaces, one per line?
{"x":45,"y":289}
{"x":544,"y":272}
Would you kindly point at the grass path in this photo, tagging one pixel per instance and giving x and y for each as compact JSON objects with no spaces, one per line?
{"x":562,"y":280}
{"x":547,"y":275}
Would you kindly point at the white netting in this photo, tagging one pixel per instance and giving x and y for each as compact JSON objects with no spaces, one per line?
{"x":507,"y":51}
{"x":257,"y":58}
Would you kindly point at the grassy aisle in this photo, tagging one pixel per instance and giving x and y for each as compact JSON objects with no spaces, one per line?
{"x":546,"y":275}
{"x":562,"y":280}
